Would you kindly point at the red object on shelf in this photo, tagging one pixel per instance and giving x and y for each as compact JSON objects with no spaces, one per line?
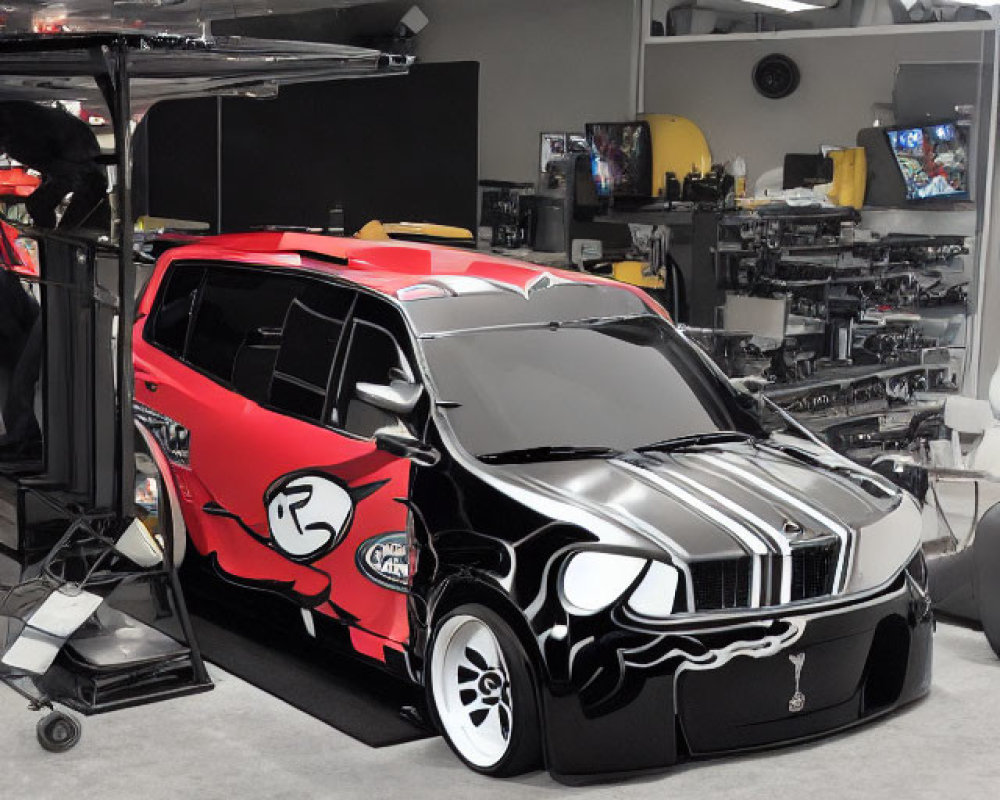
{"x":17,"y":182}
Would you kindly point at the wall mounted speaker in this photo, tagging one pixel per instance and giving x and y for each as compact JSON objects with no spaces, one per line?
{"x":775,"y":76}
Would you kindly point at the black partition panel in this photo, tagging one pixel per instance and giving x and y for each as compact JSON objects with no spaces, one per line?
{"x":394,"y":148}
{"x":79,"y":283}
{"x":176,"y":161}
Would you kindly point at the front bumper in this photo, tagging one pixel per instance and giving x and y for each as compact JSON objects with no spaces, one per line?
{"x":748,"y":684}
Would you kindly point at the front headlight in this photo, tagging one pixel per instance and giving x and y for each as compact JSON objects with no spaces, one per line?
{"x":592,"y":581}
{"x":654,"y":596}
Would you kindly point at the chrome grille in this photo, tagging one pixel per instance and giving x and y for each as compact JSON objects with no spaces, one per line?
{"x":813,"y":570}
{"x":721,"y":584}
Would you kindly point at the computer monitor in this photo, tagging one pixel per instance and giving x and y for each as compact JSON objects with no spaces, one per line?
{"x":932,"y":159}
{"x":621,"y":159}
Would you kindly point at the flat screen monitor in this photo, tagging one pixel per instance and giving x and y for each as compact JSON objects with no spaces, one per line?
{"x":933,"y":160}
{"x":621,"y":159}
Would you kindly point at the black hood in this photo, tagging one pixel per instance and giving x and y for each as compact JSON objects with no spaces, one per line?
{"x":708,"y":503}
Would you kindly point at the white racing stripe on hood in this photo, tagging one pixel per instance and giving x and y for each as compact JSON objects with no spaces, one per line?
{"x":842,"y":531}
{"x":775,"y":536}
{"x":738,"y":531}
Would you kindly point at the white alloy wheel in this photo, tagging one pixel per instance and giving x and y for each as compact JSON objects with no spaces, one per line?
{"x":472,"y":691}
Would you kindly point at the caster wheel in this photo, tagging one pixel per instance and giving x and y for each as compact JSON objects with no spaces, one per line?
{"x":58,"y":732}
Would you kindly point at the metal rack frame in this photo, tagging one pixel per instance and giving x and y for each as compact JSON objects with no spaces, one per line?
{"x":89,"y":427}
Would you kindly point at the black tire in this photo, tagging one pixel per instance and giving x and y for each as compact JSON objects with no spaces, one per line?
{"x":986,"y":552}
{"x":524,"y":750}
{"x":58,"y":732}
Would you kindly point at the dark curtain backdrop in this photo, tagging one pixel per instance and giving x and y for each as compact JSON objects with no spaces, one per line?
{"x":397,"y":148}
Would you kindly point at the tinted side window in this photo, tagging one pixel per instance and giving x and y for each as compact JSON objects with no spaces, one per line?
{"x":170,"y":324}
{"x":371,"y":356}
{"x":236,"y":306}
{"x":309,"y":342}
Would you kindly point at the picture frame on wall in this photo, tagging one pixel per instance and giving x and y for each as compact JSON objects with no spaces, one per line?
{"x":557,"y":145}
{"x":576,"y":143}
{"x":553,"y":145}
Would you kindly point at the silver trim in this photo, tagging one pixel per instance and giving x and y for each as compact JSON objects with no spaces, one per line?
{"x":777,"y":537}
{"x":830,"y":604}
{"x":844,"y":533}
{"x":751,"y":542}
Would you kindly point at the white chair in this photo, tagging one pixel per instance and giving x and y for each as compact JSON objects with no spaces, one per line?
{"x":964,"y":469}
{"x":971,"y":418}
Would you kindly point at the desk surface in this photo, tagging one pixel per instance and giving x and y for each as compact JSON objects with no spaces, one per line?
{"x":654,"y":214}
{"x":543,"y":259}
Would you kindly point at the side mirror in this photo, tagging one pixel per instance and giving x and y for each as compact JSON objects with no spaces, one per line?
{"x":400,"y":442}
{"x":398,"y":397}
{"x":905,"y":472}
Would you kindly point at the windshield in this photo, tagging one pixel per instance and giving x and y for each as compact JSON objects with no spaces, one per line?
{"x":616,"y":384}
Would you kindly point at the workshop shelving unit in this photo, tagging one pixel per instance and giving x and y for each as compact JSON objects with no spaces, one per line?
{"x":875,"y":325}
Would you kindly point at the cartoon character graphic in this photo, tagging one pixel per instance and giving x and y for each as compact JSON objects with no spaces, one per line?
{"x":309,"y":513}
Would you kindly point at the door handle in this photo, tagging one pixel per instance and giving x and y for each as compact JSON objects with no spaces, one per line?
{"x":147,"y":377}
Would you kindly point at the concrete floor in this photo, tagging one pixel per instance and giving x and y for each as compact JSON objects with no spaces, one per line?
{"x":239,"y":743}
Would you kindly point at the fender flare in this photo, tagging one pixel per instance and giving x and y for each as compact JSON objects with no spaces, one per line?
{"x":178,"y":530}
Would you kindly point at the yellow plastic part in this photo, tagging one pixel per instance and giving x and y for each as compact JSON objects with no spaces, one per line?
{"x":850,"y":177}
{"x":375,"y":231}
{"x":426,"y":229}
{"x":678,"y":146}
{"x":636,"y":273}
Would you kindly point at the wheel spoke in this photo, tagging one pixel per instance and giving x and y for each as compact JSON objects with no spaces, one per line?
{"x":465,"y":674}
{"x":493,"y":727}
{"x":468,"y":696}
{"x":476,"y":659}
{"x":479,"y":716}
{"x":504,"y":723}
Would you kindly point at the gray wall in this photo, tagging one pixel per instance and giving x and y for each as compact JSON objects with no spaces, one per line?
{"x":842,"y":77}
{"x":544,"y":65}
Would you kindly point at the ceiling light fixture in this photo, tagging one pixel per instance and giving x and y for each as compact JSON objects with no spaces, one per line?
{"x":788,"y":5}
{"x":146,"y":3}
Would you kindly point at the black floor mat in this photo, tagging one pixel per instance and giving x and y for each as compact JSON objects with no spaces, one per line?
{"x":276,"y":656}
{"x":361,"y":701}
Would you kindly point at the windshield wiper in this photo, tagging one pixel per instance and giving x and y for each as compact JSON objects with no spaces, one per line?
{"x":549,"y":453}
{"x":697,"y":440}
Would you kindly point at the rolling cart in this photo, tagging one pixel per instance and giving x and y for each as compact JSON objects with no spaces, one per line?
{"x":58,"y":607}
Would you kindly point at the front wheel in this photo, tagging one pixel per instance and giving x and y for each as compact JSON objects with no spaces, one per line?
{"x":481,"y":692}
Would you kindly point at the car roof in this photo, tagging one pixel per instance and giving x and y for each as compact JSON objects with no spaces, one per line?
{"x":400,"y":270}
